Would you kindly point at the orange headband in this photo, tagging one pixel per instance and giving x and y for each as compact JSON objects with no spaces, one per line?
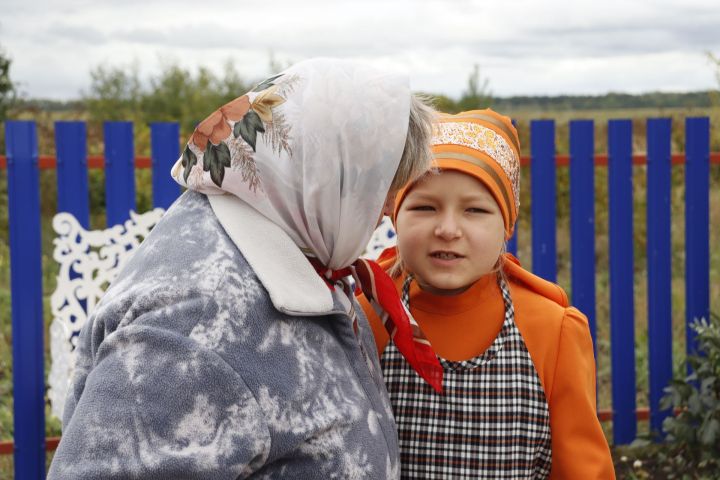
{"x":485,"y":145}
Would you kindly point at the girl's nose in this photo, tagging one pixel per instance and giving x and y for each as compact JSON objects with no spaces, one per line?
{"x":448,"y":228}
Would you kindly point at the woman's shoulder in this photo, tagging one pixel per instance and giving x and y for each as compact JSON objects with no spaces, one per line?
{"x":187,"y":272}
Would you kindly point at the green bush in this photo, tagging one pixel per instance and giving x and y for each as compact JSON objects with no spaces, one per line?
{"x":691,"y":449}
{"x":695,"y":430}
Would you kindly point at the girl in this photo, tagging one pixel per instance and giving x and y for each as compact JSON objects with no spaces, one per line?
{"x":518,"y":396}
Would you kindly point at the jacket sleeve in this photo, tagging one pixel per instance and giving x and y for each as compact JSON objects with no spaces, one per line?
{"x":579,"y":447}
{"x":149,"y":402}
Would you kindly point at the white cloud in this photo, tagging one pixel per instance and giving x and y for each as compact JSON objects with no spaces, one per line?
{"x":523,"y":46}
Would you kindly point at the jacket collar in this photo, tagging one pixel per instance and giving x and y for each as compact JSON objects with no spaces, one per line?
{"x":292,"y":283}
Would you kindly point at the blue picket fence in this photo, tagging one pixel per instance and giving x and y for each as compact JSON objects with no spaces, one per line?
{"x":119,"y":163}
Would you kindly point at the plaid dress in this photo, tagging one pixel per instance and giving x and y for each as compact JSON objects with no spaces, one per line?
{"x":492,"y":420}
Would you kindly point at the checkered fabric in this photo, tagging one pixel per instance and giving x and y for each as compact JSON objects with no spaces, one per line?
{"x":492,"y":422}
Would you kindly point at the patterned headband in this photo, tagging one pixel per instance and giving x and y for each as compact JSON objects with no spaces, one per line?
{"x":464,"y":130}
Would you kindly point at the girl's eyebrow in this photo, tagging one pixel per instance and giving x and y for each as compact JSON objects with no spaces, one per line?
{"x":421,"y":196}
{"x":467,"y":197}
{"x":473,"y":197}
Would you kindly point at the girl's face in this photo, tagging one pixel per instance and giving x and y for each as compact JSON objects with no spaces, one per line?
{"x":450,"y":232}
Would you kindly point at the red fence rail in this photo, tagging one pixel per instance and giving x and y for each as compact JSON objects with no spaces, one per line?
{"x":623,"y":413}
{"x":47,"y":162}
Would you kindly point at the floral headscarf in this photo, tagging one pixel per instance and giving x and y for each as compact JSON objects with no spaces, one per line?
{"x":314,"y":149}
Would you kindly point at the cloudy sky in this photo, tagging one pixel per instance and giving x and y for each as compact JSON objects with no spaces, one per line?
{"x":523,"y":47}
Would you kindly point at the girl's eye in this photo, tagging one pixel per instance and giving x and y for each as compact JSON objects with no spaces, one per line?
{"x":421,"y":208}
{"x":477,"y":210}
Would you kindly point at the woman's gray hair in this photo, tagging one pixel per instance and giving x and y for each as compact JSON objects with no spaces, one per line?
{"x":417,"y":157}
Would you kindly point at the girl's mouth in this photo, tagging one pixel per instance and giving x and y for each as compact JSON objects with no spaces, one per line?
{"x":442,"y":255}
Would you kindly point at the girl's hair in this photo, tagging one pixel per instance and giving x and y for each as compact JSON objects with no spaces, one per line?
{"x":398,"y":267}
{"x":417,"y":156}
{"x":500,"y":265}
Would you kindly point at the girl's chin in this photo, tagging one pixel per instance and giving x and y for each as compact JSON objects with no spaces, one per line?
{"x":444,"y":288}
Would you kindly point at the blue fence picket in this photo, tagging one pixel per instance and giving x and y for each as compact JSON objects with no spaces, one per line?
{"x":72,"y":170}
{"x":26,"y":297}
{"x":622,"y":316}
{"x":26,"y":255}
{"x":119,"y":171}
{"x":512,"y":244}
{"x":697,"y":224}
{"x":659,"y":259}
{"x":542,"y":185}
{"x":165,"y":142}
{"x":582,"y":218}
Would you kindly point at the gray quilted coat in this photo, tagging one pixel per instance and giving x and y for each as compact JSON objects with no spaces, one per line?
{"x":197,"y":365}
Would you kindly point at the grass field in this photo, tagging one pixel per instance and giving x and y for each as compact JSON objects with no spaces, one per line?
{"x":524,"y":253}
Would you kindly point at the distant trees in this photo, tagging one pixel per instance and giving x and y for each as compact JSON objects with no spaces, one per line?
{"x":608,"y":101}
{"x":187,"y":95}
{"x":716,"y":63}
{"x":477,"y":95}
{"x":174,"y":94}
{"x":7,"y":88}
{"x":7,"y":99}
{"x":114,"y":94}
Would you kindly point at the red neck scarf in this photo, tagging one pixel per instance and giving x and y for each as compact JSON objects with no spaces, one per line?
{"x":379,"y":289}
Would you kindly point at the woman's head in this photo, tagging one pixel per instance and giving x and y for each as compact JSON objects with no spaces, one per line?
{"x":315,"y":149}
{"x":453,"y":223}
{"x":416,"y":157}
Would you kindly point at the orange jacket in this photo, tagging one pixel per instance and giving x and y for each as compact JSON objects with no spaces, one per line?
{"x":559,"y":342}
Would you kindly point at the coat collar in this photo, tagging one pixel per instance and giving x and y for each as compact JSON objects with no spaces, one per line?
{"x":292,"y":283}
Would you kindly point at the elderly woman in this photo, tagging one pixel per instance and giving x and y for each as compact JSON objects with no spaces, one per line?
{"x":230,"y":346}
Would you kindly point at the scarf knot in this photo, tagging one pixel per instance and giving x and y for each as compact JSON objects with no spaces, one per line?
{"x":379,"y":289}
{"x":329,"y":275}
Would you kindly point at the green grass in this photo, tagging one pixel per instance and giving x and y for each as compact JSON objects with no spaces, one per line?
{"x":7,"y":465}
{"x":48,"y":193}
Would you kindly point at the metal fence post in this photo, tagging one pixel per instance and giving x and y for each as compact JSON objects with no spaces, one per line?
{"x":26,"y":294}
{"x":622,"y":314}
{"x":582,"y":218}
{"x":542,"y":181}
{"x":165,"y":142}
{"x":659,"y":262}
{"x":72,"y":170}
{"x":697,"y":224}
{"x":119,"y":171}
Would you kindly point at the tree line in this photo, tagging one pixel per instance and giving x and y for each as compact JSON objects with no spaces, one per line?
{"x":179,"y":94}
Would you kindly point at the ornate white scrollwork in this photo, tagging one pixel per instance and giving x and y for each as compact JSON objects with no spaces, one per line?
{"x":89,"y":260}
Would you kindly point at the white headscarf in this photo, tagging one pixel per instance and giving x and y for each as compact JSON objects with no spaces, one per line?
{"x":313,"y":149}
